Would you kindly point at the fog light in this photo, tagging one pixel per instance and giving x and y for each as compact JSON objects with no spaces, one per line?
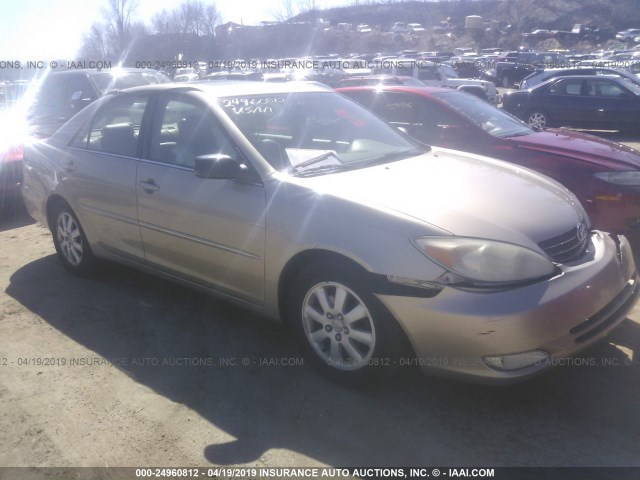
{"x":516,"y":360}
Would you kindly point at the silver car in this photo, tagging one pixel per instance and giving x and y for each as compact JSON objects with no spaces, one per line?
{"x":296,"y":202}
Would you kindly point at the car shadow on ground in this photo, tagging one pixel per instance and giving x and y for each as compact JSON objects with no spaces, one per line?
{"x":580,"y":414}
{"x":14,"y":215}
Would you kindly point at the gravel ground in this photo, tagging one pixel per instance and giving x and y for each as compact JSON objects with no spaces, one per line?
{"x":128,"y":370}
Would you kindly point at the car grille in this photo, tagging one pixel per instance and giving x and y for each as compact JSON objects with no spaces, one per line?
{"x":568,"y":246}
{"x":606,"y":317}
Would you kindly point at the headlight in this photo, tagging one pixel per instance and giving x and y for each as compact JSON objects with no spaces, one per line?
{"x":483,"y":261}
{"x":619,"y":178}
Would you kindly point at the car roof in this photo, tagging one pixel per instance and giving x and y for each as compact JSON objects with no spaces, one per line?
{"x":619,"y":80}
{"x":586,"y":77}
{"x":94,"y":71}
{"x":373,"y":76}
{"x":549,"y":72}
{"x":229,"y":88}
{"x":576,"y":69}
{"x":423,"y":91}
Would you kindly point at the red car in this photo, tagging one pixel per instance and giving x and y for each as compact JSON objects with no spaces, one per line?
{"x":604,"y":175}
{"x":10,"y":175}
{"x":10,"y":163}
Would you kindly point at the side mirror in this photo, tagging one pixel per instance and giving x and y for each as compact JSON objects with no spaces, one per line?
{"x":219,"y":166}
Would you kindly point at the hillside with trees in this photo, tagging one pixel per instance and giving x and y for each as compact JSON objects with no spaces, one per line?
{"x":193,"y":30}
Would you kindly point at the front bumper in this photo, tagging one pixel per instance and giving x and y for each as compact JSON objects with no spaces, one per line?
{"x":456,"y":330}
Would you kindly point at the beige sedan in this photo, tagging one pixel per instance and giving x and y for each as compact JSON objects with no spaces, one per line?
{"x":292,"y":200}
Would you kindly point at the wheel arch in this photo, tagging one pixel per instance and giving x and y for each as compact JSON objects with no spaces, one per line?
{"x":298,"y":262}
{"x":52,"y":201}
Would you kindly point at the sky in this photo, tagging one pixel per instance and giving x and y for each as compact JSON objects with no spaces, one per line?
{"x":53,"y":29}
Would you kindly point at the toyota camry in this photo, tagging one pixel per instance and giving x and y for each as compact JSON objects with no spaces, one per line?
{"x":295,"y":201}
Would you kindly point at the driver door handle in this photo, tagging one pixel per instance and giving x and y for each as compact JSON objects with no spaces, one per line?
{"x":149,"y":185}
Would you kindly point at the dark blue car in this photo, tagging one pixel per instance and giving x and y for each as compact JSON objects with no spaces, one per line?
{"x":587,"y":101}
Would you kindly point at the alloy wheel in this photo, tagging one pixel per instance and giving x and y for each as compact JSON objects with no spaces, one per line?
{"x":537,"y":120}
{"x":338,"y":326}
{"x":69,"y":238}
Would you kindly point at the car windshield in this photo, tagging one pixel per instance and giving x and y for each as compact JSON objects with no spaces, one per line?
{"x":316,"y":132}
{"x":492,"y":120}
{"x":106,"y":81}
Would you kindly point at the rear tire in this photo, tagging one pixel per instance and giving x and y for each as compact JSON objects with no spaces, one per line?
{"x":343,"y":329}
{"x":70,"y":241}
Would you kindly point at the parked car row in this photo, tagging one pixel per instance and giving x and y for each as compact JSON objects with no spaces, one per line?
{"x":442,"y":75}
{"x":335,"y":72}
{"x":629,"y":35}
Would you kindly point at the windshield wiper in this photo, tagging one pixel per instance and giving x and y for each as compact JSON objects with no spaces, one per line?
{"x":393,"y":156}
{"x":318,"y":159}
{"x":384,"y":158}
{"x":322,"y":169}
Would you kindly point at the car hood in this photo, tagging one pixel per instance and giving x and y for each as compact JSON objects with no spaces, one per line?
{"x":592,"y":149}
{"x":463,"y":194}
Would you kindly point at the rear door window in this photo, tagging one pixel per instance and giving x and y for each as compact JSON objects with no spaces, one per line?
{"x":604,"y":88}
{"x":115,"y":128}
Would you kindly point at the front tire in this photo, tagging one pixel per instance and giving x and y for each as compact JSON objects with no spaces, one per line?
{"x":343,"y":329}
{"x":70,"y":241}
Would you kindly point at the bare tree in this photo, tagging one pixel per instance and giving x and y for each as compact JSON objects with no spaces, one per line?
{"x":194,"y":17}
{"x":307,"y":6}
{"x":94,"y":43}
{"x":118,"y":17}
{"x":285,"y":12}
{"x":211,"y":19}
{"x":162,"y":23}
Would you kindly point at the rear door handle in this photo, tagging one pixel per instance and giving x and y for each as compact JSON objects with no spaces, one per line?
{"x":69,"y":166}
{"x":149,"y":185}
